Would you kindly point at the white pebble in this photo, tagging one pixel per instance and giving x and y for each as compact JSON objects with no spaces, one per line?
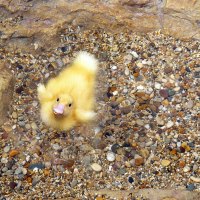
{"x":115,"y":93}
{"x":157,"y":85}
{"x":186,"y":169}
{"x":140,"y":87}
{"x":169,"y":124}
{"x":140,"y":65}
{"x":4,"y":160}
{"x":113,"y":67}
{"x":6,"y":149}
{"x":96,"y":167}
{"x":110,"y":156}
{"x":126,"y":71}
{"x":134,"y":54}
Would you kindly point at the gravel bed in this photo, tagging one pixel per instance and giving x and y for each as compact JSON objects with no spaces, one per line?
{"x":147,"y":133}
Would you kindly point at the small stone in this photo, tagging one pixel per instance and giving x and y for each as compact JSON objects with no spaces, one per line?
{"x":139,"y":160}
{"x":37,"y":166}
{"x":14,"y":115}
{"x":181,"y":164}
{"x":140,"y":65}
{"x":35,"y":181}
{"x":96,"y":167}
{"x":140,"y":87}
{"x":178,"y":49}
{"x":190,"y":187}
{"x":13,"y":152}
{"x":34,"y":126}
{"x":189,"y":104}
{"x":186,"y":169}
{"x":12,"y":185}
{"x":115,"y":147}
{"x":126,"y":72}
{"x":114,"y":67}
{"x":165,"y":102}
{"x":126,"y":110}
{"x":18,"y":170}
{"x":134,"y":54}
{"x":169,"y":124}
{"x":4,"y":160}
{"x":165,"y":163}
{"x":171,"y":93}
{"x":74,"y":183}
{"x":24,"y":171}
{"x":168,"y":70}
{"x":195,"y":179}
{"x":6,"y":149}
{"x":122,"y":171}
{"x":110,"y":156}
{"x":157,"y":85}
{"x":139,"y":122}
{"x":130,"y":179}
{"x":86,"y":160}
{"x":160,"y":121}
{"x":164,"y":93}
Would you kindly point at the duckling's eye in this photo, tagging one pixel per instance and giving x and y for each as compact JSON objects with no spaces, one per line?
{"x":70,"y":105}
{"x":57,"y":99}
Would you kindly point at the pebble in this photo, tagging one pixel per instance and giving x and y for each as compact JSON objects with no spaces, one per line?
{"x":6,"y":149}
{"x":134,"y":54}
{"x":186,"y":169}
{"x":74,"y":183}
{"x":37,"y":165}
{"x":4,"y":160}
{"x":140,"y":87}
{"x":115,"y":147}
{"x":35,"y":181}
{"x":165,"y":163}
{"x":190,"y":187}
{"x":157,"y":85}
{"x":139,"y":160}
{"x":189,"y":104}
{"x":130,"y":179}
{"x":169,"y":124}
{"x":14,"y":115}
{"x":13,"y":152}
{"x":139,"y":122}
{"x":18,"y":170}
{"x":195,"y":179}
{"x":110,"y":156}
{"x":114,"y":67}
{"x":126,"y":72}
{"x":96,"y":167}
{"x":164,"y":93}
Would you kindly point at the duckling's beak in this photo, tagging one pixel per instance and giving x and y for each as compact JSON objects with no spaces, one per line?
{"x":59,"y":109}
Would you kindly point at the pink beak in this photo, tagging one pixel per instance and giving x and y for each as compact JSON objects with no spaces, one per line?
{"x":59,"y":109}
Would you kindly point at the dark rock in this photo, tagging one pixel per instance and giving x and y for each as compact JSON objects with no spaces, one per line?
{"x":12,"y":185}
{"x":37,"y":165}
{"x":130,"y":179}
{"x":115,"y":147}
